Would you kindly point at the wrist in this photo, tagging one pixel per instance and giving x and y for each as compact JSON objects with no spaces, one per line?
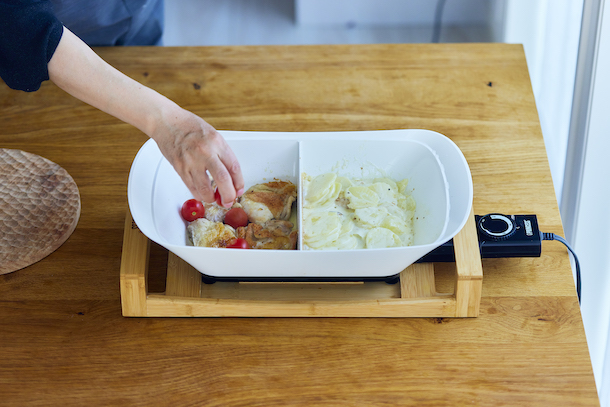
{"x":162,"y":117}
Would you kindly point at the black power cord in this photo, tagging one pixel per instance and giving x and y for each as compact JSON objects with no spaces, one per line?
{"x":503,"y":236}
{"x":553,"y":236}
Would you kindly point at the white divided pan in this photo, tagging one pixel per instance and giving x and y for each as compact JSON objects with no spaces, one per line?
{"x":439,"y":180}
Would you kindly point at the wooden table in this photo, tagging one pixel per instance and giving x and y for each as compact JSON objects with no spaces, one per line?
{"x":63,"y":338}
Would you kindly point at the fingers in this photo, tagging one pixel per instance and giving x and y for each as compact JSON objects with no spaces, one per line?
{"x":200,"y":186}
{"x":232,"y":165}
{"x":215,"y":156}
{"x":227,"y":174}
{"x":195,"y":149}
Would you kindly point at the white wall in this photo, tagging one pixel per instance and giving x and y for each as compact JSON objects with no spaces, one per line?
{"x":592,"y":240}
{"x":549,"y":31}
{"x":391,"y":12}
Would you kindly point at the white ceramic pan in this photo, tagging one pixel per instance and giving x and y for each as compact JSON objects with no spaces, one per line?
{"x":439,"y":178}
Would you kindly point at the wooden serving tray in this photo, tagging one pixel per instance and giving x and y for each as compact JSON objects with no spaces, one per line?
{"x":187,"y":296}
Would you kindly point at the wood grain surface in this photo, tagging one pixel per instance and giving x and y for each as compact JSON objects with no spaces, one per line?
{"x":64,"y":341}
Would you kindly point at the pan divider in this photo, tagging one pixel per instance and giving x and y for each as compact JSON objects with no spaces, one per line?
{"x":187,"y":296}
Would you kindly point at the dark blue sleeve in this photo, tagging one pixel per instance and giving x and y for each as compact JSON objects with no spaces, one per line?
{"x":29,"y":35}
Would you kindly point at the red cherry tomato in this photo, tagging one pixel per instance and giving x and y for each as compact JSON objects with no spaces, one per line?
{"x":239,"y":244}
{"x":192,"y":209}
{"x":218,"y":198}
{"x":236,"y":217}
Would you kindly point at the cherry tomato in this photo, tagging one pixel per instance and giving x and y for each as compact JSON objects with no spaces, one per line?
{"x":218,"y":198}
{"x":236,"y":217}
{"x":192,"y":209}
{"x":239,"y":244}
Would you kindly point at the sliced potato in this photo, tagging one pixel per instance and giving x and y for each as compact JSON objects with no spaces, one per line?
{"x":361,"y":197}
{"x":341,"y":213}
{"x":331,"y":196}
{"x":402,"y":185}
{"x":345,"y":182}
{"x":395,"y":224}
{"x":346,"y":242}
{"x":388,"y":181}
{"x":320,"y":186}
{"x":386,"y":194}
{"x":320,"y":229}
{"x":370,"y":217}
{"x":379,"y":238}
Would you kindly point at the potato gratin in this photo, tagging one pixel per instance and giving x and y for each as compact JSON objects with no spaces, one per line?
{"x":342,"y":213}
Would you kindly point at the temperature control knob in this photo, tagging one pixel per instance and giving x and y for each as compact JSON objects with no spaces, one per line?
{"x":497,"y":226}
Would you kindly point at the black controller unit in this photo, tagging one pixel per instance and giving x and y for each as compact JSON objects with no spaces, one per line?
{"x":499,"y":236}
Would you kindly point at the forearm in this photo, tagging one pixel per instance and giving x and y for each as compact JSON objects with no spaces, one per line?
{"x":79,"y":71}
{"x":189,"y":143}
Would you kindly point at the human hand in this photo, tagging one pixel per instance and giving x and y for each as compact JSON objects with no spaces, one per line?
{"x":194,"y":148}
{"x":190,"y":144}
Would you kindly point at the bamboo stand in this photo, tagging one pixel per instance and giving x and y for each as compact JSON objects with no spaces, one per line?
{"x":187,"y":296}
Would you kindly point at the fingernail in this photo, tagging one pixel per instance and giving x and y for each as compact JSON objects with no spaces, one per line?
{"x":240,"y":192}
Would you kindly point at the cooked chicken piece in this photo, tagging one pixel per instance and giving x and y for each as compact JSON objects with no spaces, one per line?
{"x":274,"y":234}
{"x":271,"y":200}
{"x":205,"y":233}
{"x":215,"y":212}
{"x":279,"y":227}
